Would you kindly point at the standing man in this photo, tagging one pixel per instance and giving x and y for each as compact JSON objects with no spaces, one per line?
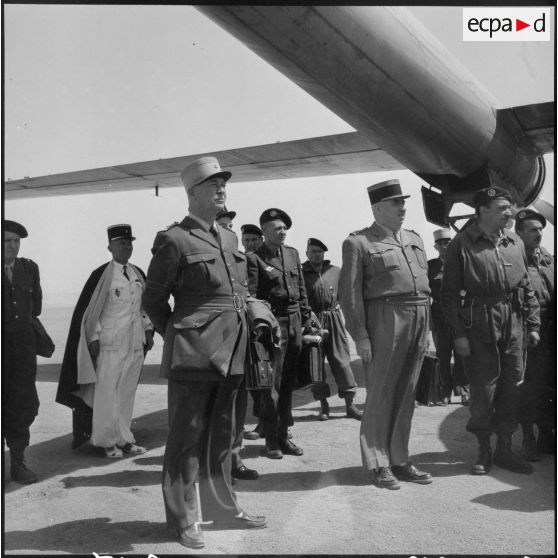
{"x":205,"y":333}
{"x":485,"y":294}
{"x":252,"y":238}
{"x":540,"y":372}
{"x":21,"y":300}
{"x":322,"y":285}
{"x":384,"y":296}
{"x":451,"y":379}
{"x":275,"y":275}
{"x":108,"y":338}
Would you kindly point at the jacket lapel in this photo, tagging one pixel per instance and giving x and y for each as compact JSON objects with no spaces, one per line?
{"x":383,"y":236}
{"x":197,"y":231}
{"x":271,"y":259}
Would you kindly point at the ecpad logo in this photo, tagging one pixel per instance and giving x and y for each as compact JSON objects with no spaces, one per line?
{"x":506,"y":24}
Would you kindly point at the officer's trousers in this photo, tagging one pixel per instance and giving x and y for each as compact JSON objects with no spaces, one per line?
{"x":336,"y":349}
{"x":494,"y":368}
{"x":443,"y":340}
{"x":398,"y":334}
{"x":201,"y":418}
{"x":534,"y":392}
{"x":240,"y":407}
{"x":115,"y":391}
{"x":20,"y":401}
{"x":276,"y":403}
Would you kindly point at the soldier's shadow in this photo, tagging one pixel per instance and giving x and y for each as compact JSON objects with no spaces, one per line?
{"x":80,"y":536}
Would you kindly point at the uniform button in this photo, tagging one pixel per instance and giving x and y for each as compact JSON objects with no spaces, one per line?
{"x":232,"y":279}
{"x":15,"y":302}
{"x":415,"y":276}
{"x":228,"y":265}
{"x":16,"y":316}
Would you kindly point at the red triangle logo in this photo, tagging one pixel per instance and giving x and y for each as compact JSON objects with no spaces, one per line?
{"x":519,"y":25}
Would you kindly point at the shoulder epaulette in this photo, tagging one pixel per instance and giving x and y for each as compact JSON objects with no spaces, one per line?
{"x":360,"y":231}
{"x":171,"y":225}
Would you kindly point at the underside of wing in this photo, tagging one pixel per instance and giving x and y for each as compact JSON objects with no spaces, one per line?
{"x":326,"y":155}
{"x":538,"y":122}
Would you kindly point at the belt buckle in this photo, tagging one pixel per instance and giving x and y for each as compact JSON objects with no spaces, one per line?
{"x":237,"y":302}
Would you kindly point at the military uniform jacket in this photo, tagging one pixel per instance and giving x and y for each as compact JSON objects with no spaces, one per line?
{"x":205,"y":333}
{"x":278,"y":280}
{"x":541,"y":275}
{"x":377,"y":267}
{"x":321,"y":288}
{"x":475,"y":269}
{"x":22,"y":297}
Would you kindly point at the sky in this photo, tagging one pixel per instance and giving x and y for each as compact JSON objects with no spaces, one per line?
{"x":89,"y":86}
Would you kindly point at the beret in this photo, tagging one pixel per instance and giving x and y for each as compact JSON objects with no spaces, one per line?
{"x":16,"y":228}
{"x":273,"y":214}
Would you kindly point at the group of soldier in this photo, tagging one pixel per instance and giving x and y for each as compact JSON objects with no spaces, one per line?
{"x":492,"y":314}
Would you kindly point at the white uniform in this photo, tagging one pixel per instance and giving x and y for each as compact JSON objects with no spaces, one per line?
{"x":121,"y":335}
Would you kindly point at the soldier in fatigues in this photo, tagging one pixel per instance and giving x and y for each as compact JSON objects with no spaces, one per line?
{"x":485,"y":292}
{"x":322,"y":285}
{"x":275,"y":275}
{"x":21,"y":300}
{"x":539,"y":384}
{"x":384,"y":296}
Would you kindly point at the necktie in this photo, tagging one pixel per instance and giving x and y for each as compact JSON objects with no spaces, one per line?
{"x":8,"y":271}
{"x":215,"y":233}
{"x":125,"y":272}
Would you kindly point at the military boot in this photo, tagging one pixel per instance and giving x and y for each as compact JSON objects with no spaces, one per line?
{"x":529,"y":446}
{"x":484,"y":460}
{"x":505,"y":458}
{"x":18,"y":470}
{"x":352,"y":410}
{"x":324,"y":411}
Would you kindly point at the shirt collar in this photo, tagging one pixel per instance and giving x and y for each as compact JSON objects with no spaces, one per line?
{"x":475,"y":233}
{"x":204,"y":224}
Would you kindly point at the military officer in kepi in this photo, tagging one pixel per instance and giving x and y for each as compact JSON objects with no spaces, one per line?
{"x":487,"y":300}
{"x":275,"y":276}
{"x":108,"y":338}
{"x":384,"y":295}
{"x":198,"y":263}
{"x":21,"y":301}
{"x":321,"y":279}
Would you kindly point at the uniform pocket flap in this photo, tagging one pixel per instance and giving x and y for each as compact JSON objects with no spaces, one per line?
{"x":197,"y":258}
{"x":239,"y":257}
{"x":197,"y":319}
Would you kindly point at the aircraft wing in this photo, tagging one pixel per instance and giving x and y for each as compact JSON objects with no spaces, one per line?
{"x":325,"y":155}
{"x":538,"y":122}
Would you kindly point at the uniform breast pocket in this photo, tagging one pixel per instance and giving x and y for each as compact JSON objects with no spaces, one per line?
{"x":240,"y":260}
{"x":384,"y":260}
{"x":199,"y":270}
{"x":295,"y":278}
{"x":420,"y":255}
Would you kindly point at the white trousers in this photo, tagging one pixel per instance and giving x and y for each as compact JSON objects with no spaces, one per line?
{"x":117,"y":380}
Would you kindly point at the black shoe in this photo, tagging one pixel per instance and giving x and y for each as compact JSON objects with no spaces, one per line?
{"x":273,"y":451}
{"x":354,"y":412}
{"x":255,"y":434}
{"x":289,"y":448}
{"x":241,"y":521}
{"x":507,"y":459}
{"x":483,"y":464}
{"x":324,"y":410}
{"x":191,"y":537}
{"x":410,"y":473}
{"x":21,"y":474}
{"x":382,"y":477}
{"x":243,"y":473}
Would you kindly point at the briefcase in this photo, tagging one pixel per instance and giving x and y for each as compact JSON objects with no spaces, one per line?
{"x":310,"y":363}
{"x":429,"y":386}
{"x":259,"y":372}
{"x":44,"y":344}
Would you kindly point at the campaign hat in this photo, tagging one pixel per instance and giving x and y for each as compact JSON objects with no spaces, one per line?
{"x":225,"y":213}
{"x":201,"y":169}
{"x":486,"y":195}
{"x":529,"y":214}
{"x":272,"y":214}
{"x":442,"y":234}
{"x":386,"y":190}
{"x":251,"y":229}
{"x":316,"y":242}
{"x":16,"y":228}
{"x":115,"y":232}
